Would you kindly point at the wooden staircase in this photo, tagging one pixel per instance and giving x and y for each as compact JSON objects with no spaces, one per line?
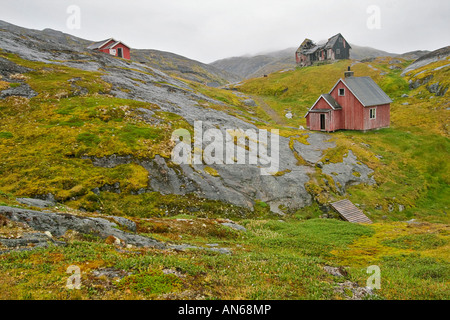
{"x":349,"y":212}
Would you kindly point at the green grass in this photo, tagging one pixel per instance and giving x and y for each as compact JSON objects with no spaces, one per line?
{"x":6,"y":135}
{"x":131,"y":133}
{"x":417,"y":242}
{"x":151,"y":282}
{"x":272,"y":260}
{"x":43,"y":155}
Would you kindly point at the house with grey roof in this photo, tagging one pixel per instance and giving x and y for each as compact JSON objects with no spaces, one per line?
{"x":336,"y":48}
{"x":113,"y":47}
{"x":354,"y":103}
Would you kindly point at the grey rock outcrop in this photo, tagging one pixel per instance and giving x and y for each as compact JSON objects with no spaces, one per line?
{"x":29,"y":241}
{"x":59,"y":223}
{"x":36,"y":202}
{"x":127,"y":223}
{"x":349,"y":172}
{"x":428,"y":58}
{"x":52,"y":224}
{"x":357,"y":292}
{"x":313,"y":152}
{"x":438,"y":89}
{"x":23,"y":90}
{"x":234,"y":226}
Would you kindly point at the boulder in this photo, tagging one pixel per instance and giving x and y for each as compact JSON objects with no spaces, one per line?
{"x":59,"y":223}
{"x":234,"y":226}
{"x":36,"y":202}
{"x":249,"y":102}
{"x":23,"y":90}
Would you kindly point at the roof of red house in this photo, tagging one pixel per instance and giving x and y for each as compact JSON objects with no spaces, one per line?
{"x":333,"y":103}
{"x":101,"y":44}
{"x":366,"y":91}
{"x":112,"y":45}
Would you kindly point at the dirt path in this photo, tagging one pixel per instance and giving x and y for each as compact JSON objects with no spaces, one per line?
{"x":270,"y":112}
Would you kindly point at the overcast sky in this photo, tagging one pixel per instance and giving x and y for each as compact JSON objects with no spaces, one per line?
{"x":208,"y":30}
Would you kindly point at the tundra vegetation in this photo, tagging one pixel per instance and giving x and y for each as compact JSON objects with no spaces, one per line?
{"x":44,"y":142}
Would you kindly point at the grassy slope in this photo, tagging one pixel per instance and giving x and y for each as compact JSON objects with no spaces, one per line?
{"x":43,"y":139}
{"x":414,"y":169}
{"x":279,"y":260}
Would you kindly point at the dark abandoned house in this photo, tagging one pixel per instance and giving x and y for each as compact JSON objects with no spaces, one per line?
{"x":336,"y":48}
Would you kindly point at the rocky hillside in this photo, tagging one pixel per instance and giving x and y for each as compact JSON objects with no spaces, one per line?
{"x":99,"y":130}
{"x":430,"y":57}
{"x":170,"y":63}
{"x":88,"y":186}
{"x":184,"y":68}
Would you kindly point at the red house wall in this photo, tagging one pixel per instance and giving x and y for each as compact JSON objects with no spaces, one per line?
{"x":313,"y":118}
{"x":110,"y":42}
{"x":322,"y":104}
{"x":353,"y":110}
{"x":336,"y":120}
{"x":332,"y":120}
{"x":126,"y":50}
{"x":382,"y":120}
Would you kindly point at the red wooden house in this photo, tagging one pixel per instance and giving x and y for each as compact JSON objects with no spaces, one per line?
{"x":354,"y":103}
{"x":113,"y":47}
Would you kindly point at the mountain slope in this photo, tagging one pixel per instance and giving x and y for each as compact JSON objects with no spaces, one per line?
{"x":184,"y":68}
{"x":168,"y":62}
{"x":259,"y":65}
{"x":99,"y":130}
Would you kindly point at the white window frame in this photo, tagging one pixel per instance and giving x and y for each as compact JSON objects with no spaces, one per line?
{"x":338,"y":51}
{"x":372,"y":113}
{"x":339,"y":92}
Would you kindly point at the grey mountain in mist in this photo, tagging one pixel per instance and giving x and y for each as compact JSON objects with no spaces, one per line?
{"x":170,"y":63}
{"x":255,"y":66}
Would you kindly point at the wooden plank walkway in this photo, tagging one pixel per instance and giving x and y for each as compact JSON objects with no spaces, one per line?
{"x":349,"y":212}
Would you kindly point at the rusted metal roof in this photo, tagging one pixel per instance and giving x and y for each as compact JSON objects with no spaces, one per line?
{"x":349,"y":212}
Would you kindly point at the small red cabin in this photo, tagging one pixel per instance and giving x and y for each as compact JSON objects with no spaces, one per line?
{"x":113,"y":47}
{"x":354,"y":103}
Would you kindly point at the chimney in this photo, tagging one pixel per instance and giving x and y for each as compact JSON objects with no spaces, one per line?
{"x":348,"y":73}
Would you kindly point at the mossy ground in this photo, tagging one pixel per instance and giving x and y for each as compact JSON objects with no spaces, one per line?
{"x":43,"y":139}
{"x":272,"y":260}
